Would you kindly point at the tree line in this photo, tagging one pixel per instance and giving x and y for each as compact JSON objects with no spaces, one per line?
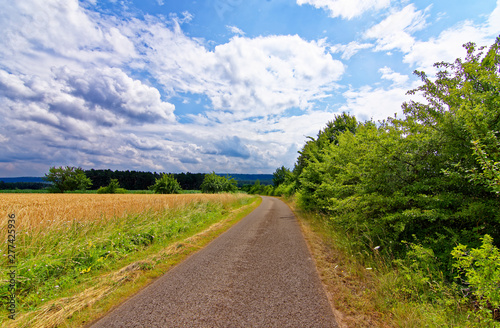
{"x":72,"y":178}
{"x":22,"y":185}
{"x":138,"y":180}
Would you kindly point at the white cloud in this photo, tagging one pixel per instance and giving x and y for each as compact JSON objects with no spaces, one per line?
{"x":246,"y":76}
{"x":350,"y":49}
{"x":396,"y":78}
{"x":103,"y":96}
{"x":235,"y":30}
{"x":493,"y":24}
{"x":39,"y":35}
{"x":80,"y":94}
{"x":347,"y":9}
{"x":376,"y":103}
{"x":113,"y":90}
{"x":395,"y":32}
{"x":449,"y":44}
{"x":71,"y":100}
{"x":3,"y":138}
{"x":268,"y":75}
{"x":13,"y":86}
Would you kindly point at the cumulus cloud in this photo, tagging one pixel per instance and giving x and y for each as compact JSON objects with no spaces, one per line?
{"x":38,"y":35}
{"x":396,"y":78}
{"x":395,"y":32}
{"x":63,"y":98}
{"x":113,"y":90}
{"x":246,"y":76}
{"x":379,"y":103}
{"x":368,"y":103}
{"x":448,"y":45}
{"x":232,"y":147}
{"x":89,"y":89}
{"x":267,"y":75}
{"x":347,"y":9}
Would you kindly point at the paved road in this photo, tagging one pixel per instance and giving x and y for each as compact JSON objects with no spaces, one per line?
{"x":259,"y":273}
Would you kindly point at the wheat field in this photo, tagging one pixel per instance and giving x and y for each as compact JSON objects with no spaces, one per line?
{"x":40,"y":213}
{"x":64,"y":240}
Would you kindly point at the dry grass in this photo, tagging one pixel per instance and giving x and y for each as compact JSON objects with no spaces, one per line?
{"x":347,"y":284}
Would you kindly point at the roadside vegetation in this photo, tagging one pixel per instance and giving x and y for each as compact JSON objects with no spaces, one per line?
{"x":74,"y":250}
{"x":410,"y":206}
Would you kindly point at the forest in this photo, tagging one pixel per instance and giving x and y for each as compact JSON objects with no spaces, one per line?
{"x":422,"y":189}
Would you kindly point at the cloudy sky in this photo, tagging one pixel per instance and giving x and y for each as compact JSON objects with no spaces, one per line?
{"x":209,"y":85}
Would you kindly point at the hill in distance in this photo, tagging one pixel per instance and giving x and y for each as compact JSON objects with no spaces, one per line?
{"x":23,"y":179}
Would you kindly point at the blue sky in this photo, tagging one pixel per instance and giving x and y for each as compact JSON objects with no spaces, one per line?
{"x":210,"y":85}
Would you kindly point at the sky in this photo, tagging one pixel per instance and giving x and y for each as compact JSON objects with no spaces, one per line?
{"x":230,"y":86}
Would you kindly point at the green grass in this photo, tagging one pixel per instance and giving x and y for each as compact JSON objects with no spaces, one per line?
{"x":372,"y":290}
{"x":54,"y":262}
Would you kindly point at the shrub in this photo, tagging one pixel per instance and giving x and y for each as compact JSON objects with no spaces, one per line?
{"x":167,"y":184}
{"x":481,"y":269}
{"x":213,"y":183}
{"x":112,"y":188}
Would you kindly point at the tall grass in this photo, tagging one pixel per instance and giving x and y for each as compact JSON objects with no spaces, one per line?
{"x":372,"y":289}
{"x":66,"y":239}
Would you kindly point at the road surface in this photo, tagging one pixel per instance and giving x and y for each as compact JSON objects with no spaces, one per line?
{"x":259,"y":273}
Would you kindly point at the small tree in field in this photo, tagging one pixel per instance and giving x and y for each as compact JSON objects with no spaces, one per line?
{"x":214,"y":183}
{"x":68,"y":178}
{"x":167,"y":184}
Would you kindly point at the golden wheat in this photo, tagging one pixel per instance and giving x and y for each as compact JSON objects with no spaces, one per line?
{"x":38,"y":213}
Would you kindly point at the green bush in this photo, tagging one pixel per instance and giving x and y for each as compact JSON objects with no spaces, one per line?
{"x":430,"y":177}
{"x":167,"y":184}
{"x":112,"y":188}
{"x":480,"y":271}
{"x":213,"y":183}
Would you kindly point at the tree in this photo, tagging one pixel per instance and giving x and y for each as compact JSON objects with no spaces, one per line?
{"x":462,"y":108}
{"x":310,"y":152}
{"x":166,"y":184}
{"x":213,"y":183}
{"x":281,"y":175}
{"x":68,"y":178}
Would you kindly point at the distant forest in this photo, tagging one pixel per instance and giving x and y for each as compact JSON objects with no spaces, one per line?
{"x":135,"y":180}
{"x":22,"y":185}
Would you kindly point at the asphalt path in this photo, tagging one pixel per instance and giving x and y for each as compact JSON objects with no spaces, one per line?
{"x":259,"y":273}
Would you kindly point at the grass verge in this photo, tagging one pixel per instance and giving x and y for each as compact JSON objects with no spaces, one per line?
{"x":77,"y":277}
{"x":366,"y":290}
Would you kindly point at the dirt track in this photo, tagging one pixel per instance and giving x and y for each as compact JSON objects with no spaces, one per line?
{"x":257,"y":274}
